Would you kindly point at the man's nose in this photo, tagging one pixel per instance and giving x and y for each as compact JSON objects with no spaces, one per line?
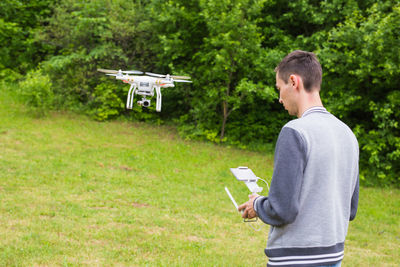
{"x":280,"y":100}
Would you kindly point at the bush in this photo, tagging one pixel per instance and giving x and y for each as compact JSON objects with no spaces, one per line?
{"x":37,"y":93}
{"x":9,"y":75}
{"x":105,"y":103}
{"x":380,"y":146}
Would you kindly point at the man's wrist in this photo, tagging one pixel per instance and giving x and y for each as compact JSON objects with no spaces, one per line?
{"x":255,"y":204}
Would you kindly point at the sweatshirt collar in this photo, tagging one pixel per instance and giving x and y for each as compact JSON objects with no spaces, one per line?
{"x":314,"y":109}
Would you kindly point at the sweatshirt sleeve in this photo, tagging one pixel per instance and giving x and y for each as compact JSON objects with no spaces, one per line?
{"x":282,"y":204}
{"x":354,"y":200}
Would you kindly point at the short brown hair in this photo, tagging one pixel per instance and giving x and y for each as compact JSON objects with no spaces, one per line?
{"x":303,"y":63}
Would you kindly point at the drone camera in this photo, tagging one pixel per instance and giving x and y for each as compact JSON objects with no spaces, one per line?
{"x":144,"y":102}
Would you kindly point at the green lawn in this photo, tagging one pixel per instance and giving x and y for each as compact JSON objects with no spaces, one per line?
{"x":75,"y":192}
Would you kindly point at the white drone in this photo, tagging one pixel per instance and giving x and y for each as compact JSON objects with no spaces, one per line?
{"x":145,"y":85}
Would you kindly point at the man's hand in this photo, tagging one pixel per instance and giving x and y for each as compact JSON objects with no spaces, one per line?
{"x":248,"y":211}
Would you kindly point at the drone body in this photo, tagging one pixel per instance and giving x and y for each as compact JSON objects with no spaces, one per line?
{"x":145,"y":85}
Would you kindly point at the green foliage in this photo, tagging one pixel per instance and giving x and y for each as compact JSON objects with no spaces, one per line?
{"x":366,"y":94}
{"x":381,"y":146}
{"x":229,"y":54}
{"x":198,"y":131}
{"x":37,"y":93}
{"x":9,"y":75}
{"x":230,"y":49}
{"x":105,"y":103}
{"x":19,"y":23}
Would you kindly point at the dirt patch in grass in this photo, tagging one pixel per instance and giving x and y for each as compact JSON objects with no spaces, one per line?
{"x":193,"y":238}
{"x":155,"y":230}
{"x":103,"y":208}
{"x":126,"y":168}
{"x":140,"y":205}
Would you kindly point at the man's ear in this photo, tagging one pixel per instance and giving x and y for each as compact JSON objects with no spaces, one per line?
{"x":294,"y":80}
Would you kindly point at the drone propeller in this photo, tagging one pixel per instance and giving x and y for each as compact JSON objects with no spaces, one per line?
{"x":120,"y":71}
{"x":180,"y":77}
{"x":155,"y":75}
{"x":108,"y":71}
{"x":166,"y":76}
{"x":132,"y":72}
{"x":182,"y":81}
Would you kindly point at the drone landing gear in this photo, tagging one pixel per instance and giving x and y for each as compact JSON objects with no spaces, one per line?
{"x":131,"y":95}
{"x":144,"y":102}
{"x":158,"y":104}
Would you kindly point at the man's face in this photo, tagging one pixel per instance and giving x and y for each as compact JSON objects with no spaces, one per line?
{"x":287,"y":96}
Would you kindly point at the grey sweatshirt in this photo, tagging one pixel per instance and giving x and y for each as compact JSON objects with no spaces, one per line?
{"x":313,"y":193}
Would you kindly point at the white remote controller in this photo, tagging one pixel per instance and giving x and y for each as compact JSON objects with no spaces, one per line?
{"x":248,"y":177}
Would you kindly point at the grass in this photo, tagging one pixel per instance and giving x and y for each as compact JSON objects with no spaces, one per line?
{"x":74,"y":192}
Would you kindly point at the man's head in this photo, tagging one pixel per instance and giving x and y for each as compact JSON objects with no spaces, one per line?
{"x":298,"y":74}
{"x":306,"y":65}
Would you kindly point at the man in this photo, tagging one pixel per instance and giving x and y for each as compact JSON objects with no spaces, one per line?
{"x":315,"y":184}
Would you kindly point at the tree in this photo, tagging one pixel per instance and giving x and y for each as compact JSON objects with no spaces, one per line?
{"x":360,"y":58}
{"x":19,"y":23}
{"x":228,"y":57}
